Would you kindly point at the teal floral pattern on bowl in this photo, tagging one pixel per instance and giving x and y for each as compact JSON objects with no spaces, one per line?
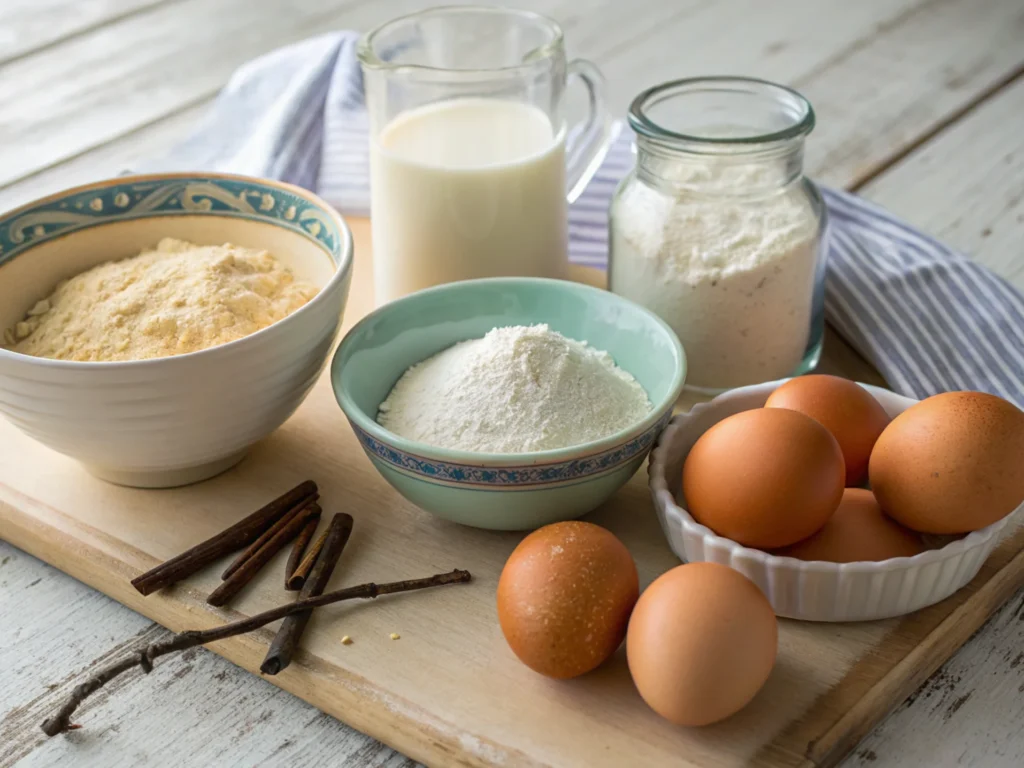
{"x":512,"y":478}
{"x":250,"y":199}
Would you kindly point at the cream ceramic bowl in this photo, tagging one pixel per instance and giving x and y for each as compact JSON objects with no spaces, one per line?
{"x":813,"y":591}
{"x":175,"y":420}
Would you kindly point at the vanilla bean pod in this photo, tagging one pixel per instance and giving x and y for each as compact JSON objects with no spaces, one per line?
{"x":281,"y":537}
{"x":288,"y":636}
{"x":299,"y":547}
{"x":241,"y":534}
{"x":305,"y":508}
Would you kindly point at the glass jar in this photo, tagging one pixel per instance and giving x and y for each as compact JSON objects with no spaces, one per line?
{"x":719,"y":233}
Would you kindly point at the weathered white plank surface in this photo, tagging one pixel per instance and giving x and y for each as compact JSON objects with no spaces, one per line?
{"x":874,"y":95}
{"x":966,"y":186}
{"x":883,"y":74}
{"x":135,"y":71}
{"x":114,"y":81}
{"x":140,"y":126}
{"x":194,"y":709}
{"x":771,"y":40}
{"x":107,"y":160}
{"x":28,"y":25}
{"x":878,"y":98}
{"x":968,"y":714}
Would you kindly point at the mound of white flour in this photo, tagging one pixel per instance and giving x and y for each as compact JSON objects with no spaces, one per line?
{"x":518,"y":389}
{"x":731,"y":271}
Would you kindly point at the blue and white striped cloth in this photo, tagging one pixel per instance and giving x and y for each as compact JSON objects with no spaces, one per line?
{"x":926,"y":316}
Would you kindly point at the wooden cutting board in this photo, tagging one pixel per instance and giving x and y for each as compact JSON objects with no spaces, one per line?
{"x":450,"y":692}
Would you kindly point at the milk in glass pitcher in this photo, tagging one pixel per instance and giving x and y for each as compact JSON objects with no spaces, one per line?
{"x":472,"y":162}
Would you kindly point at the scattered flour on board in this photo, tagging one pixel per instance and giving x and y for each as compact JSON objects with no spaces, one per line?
{"x":517,"y":389}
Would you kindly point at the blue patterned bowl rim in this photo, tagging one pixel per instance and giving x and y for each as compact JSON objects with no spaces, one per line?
{"x":522,"y":477}
{"x":145,"y":196}
{"x":362,"y":421}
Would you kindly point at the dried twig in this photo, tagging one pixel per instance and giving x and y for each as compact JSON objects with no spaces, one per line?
{"x":61,"y":721}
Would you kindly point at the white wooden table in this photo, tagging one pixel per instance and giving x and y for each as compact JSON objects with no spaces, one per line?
{"x":920,"y":107}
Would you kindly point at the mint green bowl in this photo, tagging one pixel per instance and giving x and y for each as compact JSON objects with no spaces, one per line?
{"x":495,"y":490}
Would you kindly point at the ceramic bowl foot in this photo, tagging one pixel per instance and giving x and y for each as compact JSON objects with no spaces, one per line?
{"x":165,"y":478}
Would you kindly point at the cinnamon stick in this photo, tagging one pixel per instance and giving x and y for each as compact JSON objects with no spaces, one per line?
{"x":238,"y":535}
{"x":301,"y":573}
{"x":144,"y":657}
{"x":268,"y":534}
{"x":299,"y":548}
{"x":288,"y":636}
{"x":232,"y":585}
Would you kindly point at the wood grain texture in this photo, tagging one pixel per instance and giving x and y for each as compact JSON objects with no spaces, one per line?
{"x":966,"y":186}
{"x":195,"y":710}
{"x":777,"y":42}
{"x":135,"y":71}
{"x":29,"y":25}
{"x":871,"y":69}
{"x":65,"y":631}
{"x":105,"y":161}
{"x":877,"y":99}
{"x":112,"y":133}
{"x":968,"y":714}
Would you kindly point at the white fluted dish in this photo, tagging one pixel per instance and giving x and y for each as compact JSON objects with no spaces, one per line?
{"x":175,"y":420}
{"x":811,"y":591}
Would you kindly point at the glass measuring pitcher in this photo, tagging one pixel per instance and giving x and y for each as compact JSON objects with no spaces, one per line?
{"x":472,"y":162}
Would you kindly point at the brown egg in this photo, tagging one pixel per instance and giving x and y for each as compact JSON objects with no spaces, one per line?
{"x":701,"y":643}
{"x":952,"y":463}
{"x":844,"y":408}
{"x":564,"y":598}
{"x":857,"y":532}
{"x":765,"y":478}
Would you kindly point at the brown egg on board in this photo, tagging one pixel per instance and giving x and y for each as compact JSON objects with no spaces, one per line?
{"x":765,"y":478}
{"x":858,"y":531}
{"x":564,"y":598}
{"x":952,"y":463}
{"x":701,"y":643}
{"x":844,"y":408}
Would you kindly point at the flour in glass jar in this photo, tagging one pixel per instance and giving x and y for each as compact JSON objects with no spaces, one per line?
{"x":732,"y":275}
{"x":516,"y":390}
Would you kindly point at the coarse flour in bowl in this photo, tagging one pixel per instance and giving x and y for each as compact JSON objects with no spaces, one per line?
{"x":169,"y":300}
{"x":516,"y":390}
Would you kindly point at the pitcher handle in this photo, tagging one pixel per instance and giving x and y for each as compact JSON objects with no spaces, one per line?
{"x":587,"y":142}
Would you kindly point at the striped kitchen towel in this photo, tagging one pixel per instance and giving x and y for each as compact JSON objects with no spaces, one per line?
{"x":926,"y":316}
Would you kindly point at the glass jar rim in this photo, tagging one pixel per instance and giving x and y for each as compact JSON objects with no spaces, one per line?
{"x":367,"y":55}
{"x":641,"y":122}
